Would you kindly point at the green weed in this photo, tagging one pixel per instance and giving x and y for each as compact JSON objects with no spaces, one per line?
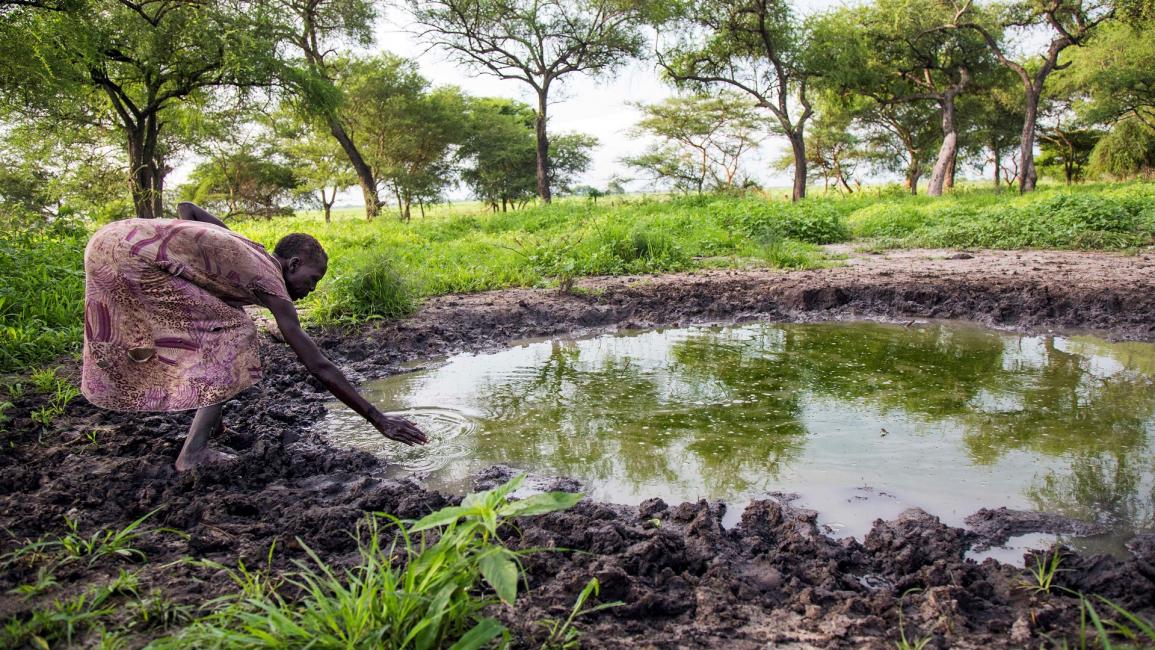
{"x":562,"y":634}
{"x":65,"y":619}
{"x":45,"y":580}
{"x":1044,"y":571}
{"x":74,"y":546}
{"x":903,"y":642}
{"x":791,"y":254}
{"x":411,"y":593}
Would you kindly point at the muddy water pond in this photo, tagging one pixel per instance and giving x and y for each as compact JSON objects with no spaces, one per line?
{"x":861,"y":420}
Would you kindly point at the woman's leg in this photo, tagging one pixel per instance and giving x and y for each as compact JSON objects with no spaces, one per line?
{"x":196,"y":447}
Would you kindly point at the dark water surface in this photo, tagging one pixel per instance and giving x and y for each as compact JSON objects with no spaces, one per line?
{"x":862,"y":420}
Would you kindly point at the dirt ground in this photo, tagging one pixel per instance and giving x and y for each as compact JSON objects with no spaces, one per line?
{"x":774,"y":579}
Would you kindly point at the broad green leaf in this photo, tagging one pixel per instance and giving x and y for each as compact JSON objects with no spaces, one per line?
{"x":510,"y":486}
{"x":540,"y":504}
{"x":485,"y":631}
{"x":442,"y":517}
{"x":500,"y":571}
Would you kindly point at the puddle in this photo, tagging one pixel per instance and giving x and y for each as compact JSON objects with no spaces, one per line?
{"x":861,"y":420}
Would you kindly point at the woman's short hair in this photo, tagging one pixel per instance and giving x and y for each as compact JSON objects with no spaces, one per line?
{"x":300,"y":245}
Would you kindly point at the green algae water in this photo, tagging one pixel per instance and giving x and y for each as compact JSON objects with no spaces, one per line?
{"x":861,"y":420}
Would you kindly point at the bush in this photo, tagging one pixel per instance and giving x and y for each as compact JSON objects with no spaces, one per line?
{"x":790,"y":254}
{"x":886,"y":220}
{"x":814,"y":221}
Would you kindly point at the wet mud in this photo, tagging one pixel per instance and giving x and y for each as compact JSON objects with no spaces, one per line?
{"x":684,"y":579}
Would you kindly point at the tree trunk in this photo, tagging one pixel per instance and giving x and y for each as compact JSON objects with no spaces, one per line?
{"x":327,"y":204}
{"x":364,"y":172}
{"x":798,"y":146}
{"x":913,"y":173}
{"x":997,"y":158}
{"x":543,"y":190}
{"x":948,"y":151}
{"x":842,"y":179}
{"x":1027,"y":174}
{"x":146,"y":168}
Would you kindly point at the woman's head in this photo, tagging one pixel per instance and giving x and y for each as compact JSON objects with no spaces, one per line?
{"x":303,"y":263}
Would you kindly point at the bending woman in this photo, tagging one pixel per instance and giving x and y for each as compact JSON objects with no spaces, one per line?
{"x":165,"y":328}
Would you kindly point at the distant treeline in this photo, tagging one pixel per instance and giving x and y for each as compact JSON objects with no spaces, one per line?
{"x":277,"y":100}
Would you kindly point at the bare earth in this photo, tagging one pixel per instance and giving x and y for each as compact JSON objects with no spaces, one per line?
{"x":772,"y":580}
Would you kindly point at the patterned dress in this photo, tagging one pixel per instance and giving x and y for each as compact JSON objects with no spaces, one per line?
{"x":164,"y":324}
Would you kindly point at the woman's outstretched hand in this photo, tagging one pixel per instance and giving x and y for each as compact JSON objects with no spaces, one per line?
{"x":397,"y":429}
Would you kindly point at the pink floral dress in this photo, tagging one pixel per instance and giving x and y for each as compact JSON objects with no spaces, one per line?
{"x":164,"y":324}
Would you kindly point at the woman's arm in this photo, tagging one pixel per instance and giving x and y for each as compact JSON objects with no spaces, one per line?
{"x":333,"y":379}
{"x":193,"y":212}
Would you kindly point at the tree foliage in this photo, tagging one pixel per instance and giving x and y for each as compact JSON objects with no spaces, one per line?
{"x":893,"y":51}
{"x":129,"y":66}
{"x":751,"y":46}
{"x":405,"y":130}
{"x":702,"y":140}
{"x":536,"y":42}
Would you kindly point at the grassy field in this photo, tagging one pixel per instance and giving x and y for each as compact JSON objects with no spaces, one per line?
{"x":382,"y":269}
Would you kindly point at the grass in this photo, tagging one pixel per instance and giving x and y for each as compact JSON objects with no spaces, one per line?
{"x":42,"y":293}
{"x":564,"y":635}
{"x":384,"y":268}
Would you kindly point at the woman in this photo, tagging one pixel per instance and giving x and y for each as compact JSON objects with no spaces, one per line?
{"x":165,"y":328}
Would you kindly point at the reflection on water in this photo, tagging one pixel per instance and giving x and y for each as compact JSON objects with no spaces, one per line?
{"x":862,"y":419}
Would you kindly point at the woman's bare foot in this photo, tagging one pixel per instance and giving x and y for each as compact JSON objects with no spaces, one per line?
{"x":204,"y":456}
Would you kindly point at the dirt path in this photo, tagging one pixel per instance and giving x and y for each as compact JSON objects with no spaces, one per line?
{"x":686,"y":583}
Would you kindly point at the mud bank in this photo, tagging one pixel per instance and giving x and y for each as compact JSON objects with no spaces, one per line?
{"x":685,"y":580}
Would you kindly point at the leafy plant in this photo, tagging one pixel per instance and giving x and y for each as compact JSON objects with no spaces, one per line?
{"x":411,"y":593}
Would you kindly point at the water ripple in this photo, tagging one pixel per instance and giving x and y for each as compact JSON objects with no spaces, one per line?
{"x":447,"y":429}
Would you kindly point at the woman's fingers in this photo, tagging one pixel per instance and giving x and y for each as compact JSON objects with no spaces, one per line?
{"x":402,"y":431}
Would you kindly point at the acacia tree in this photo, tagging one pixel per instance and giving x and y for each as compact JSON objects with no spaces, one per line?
{"x":497,"y":156}
{"x":993,"y":119}
{"x":1070,"y":22}
{"x":1113,"y":73}
{"x":315,"y":29}
{"x":129,"y":64}
{"x":703,"y":140}
{"x":407,"y":132}
{"x":833,"y":150}
{"x":893,"y":52}
{"x":899,"y":137}
{"x":752,"y":46}
{"x":319,"y":163}
{"x":536,"y":42}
